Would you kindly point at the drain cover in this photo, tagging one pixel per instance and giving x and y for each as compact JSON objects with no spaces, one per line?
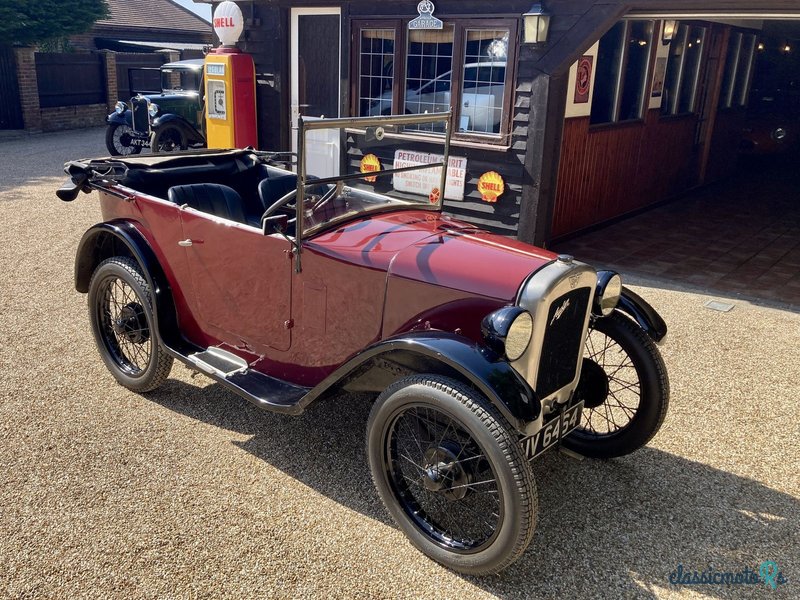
{"x":719,"y":306}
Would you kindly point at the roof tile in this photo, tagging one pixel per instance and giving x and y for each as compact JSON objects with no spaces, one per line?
{"x":153,"y":14}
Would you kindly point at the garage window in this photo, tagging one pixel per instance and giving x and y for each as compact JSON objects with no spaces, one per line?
{"x":683,"y":70}
{"x":738,"y":70}
{"x":376,"y":74}
{"x":464,"y":66}
{"x":623,"y":65}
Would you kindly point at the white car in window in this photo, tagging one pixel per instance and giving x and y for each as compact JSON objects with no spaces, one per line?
{"x":481,"y":97}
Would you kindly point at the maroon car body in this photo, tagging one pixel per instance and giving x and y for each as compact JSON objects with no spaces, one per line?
{"x":285,"y":288}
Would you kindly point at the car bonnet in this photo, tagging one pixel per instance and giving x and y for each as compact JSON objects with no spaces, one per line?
{"x":462,"y":257}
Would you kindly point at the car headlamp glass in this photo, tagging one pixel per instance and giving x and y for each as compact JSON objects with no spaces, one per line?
{"x":519,"y":336}
{"x":120,"y":107}
{"x":153,"y":109}
{"x":609,"y":290}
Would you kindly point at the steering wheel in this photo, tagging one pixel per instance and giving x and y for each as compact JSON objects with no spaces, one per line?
{"x":326,"y":197}
{"x":283,"y":201}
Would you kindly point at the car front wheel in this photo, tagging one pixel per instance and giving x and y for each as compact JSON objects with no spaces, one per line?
{"x":452,"y":474}
{"x":625,"y":389}
{"x":121,"y":316}
{"x":120,"y":140}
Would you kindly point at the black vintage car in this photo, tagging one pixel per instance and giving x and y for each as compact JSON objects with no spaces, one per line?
{"x":170,"y":119}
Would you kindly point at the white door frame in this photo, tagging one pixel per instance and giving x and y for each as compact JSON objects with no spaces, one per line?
{"x":294,"y":65}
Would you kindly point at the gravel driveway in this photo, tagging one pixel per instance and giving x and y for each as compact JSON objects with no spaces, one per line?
{"x":192,"y":492}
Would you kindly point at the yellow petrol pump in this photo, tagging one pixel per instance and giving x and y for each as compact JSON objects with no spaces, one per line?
{"x":230,"y":85}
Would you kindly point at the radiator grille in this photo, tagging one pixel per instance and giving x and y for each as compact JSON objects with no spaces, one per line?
{"x":561,"y":347}
{"x":141,"y":120}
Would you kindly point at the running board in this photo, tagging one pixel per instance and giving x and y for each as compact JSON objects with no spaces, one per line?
{"x":219,"y":362}
{"x":234,"y":373}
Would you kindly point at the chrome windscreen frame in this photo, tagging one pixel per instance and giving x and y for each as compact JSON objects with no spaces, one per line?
{"x":536,"y":296}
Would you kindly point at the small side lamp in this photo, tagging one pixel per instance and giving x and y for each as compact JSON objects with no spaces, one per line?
{"x":537,"y":25}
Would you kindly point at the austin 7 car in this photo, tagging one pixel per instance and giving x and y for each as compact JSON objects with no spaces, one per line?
{"x":480,"y":352}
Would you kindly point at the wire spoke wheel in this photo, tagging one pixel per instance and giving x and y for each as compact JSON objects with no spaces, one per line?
{"x":624,"y":387}
{"x":120,"y":311}
{"x":623,"y":390}
{"x":120,"y":140}
{"x":442,"y":479}
{"x":168,"y":139}
{"x":451,"y":473}
{"x":124,"y":326}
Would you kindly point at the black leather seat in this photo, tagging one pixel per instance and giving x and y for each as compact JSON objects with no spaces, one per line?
{"x":272,"y":189}
{"x":212,"y":198}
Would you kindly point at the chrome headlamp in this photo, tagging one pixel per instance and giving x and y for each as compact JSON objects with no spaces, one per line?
{"x":508,"y":331}
{"x":120,"y":107}
{"x":152,"y":109}
{"x":609,"y":291}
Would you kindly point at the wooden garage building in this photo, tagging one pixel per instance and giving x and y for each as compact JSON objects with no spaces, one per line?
{"x":626,"y":104}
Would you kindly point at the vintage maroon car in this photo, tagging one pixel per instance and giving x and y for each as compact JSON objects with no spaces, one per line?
{"x":482,"y":351}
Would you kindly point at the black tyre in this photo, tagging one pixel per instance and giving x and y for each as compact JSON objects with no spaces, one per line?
{"x":625,"y":388}
{"x":121,"y":314}
{"x":168,"y":139}
{"x":119,"y":140}
{"x":452,"y":474}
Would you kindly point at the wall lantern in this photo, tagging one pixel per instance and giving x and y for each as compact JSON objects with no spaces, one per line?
{"x":669,"y":31}
{"x":537,"y":25}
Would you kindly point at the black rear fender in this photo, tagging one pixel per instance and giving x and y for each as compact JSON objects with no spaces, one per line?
{"x":192,"y":135}
{"x":121,"y":238}
{"x":437,"y":353}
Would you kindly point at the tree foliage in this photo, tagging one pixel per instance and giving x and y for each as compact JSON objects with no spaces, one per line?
{"x":31,"y":22}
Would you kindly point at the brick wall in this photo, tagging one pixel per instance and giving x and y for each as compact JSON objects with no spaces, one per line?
{"x":73,"y":117}
{"x":112,"y":89}
{"x":37,"y":118}
{"x":28,"y":87}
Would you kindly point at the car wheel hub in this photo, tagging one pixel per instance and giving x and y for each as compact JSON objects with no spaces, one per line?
{"x":131,"y":324}
{"x":443,"y":474}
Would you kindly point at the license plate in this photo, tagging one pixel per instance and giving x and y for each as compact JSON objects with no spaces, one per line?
{"x":552,"y":432}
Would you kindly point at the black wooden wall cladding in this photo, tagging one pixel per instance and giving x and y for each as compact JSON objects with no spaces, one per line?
{"x":10,"y":109}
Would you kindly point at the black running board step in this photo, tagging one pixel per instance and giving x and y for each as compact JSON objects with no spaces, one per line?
{"x":268,"y":392}
{"x":262,"y":390}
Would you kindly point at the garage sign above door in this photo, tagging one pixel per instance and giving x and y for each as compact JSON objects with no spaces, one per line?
{"x":426,"y":20}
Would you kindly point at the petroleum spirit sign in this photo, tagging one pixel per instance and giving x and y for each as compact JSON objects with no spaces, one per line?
{"x":491,"y":186}
{"x":228,"y":23}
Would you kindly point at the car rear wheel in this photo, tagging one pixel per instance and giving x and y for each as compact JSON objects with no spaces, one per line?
{"x":625,"y":389}
{"x":168,"y":139}
{"x":121,"y":315}
{"x":452,"y":474}
{"x":120,"y":140}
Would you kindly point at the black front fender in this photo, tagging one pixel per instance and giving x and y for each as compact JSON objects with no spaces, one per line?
{"x":444,"y":354}
{"x":121,"y":238}
{"x":125,"y":118}
{"x":645,"y":315}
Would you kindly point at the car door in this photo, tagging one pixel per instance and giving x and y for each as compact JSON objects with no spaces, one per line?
{"x":241,"y":280}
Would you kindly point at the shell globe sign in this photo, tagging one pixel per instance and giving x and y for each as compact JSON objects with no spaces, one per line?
{"x":228,"y":23}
